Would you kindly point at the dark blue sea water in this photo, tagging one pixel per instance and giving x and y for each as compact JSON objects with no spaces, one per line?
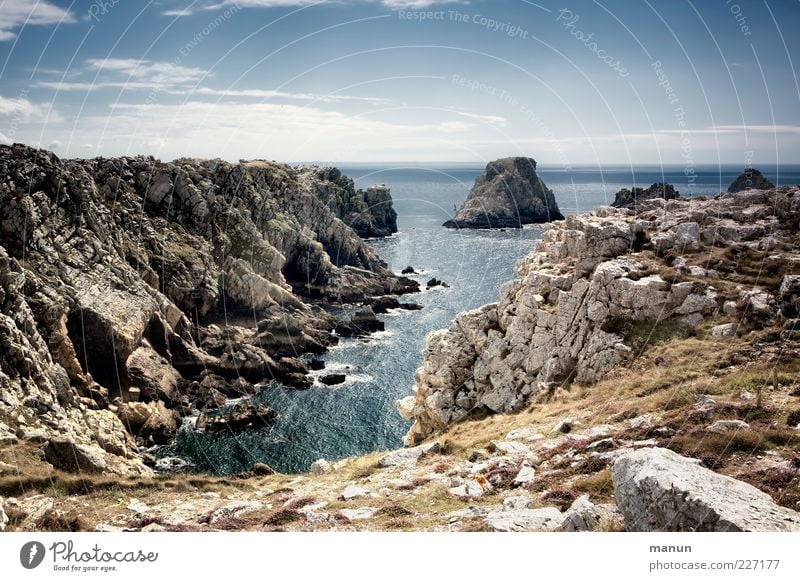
{"x":359,"y":416}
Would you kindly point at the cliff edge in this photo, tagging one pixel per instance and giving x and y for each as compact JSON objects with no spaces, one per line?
{"x":598,"y":287}
{"x":134,"y":292}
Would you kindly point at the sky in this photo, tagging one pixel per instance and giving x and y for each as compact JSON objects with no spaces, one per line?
{"x":570,"y":83}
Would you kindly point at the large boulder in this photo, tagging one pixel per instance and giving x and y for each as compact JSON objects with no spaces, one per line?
{"x":659,"y":490}
{"x":72,"y":457}
{"x":750,"y":179}
{"x":509,"y":194}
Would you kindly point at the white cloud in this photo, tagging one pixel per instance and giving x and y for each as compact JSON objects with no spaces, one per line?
{"x":270,"y":94}
{"x":257,"y":130}
{"x":18,"y":13}
{"x":394,"y":4}
{"x":731,"y":129}
{"x":488,"y":119}
{"x":151,"y":71}
{"x":21,"y":108}
{"x":85,"y":86}
{"x":5,"y":140}
{"x":178,"y":12}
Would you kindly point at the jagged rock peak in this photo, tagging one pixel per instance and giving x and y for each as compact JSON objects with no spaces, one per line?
{"x":631,"y":199}
{"x":509,"y":194}
{"x":750,"y":179}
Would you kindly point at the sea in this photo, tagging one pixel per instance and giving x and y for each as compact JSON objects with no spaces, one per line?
{"x":359,"y":416}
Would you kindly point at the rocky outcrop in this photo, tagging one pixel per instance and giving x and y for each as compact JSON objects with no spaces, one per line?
{"x":369,"y":212}
{"x":509,"y":194}
{"x":750,"y":179}
{"x":239,"y":416}
{"x":631,"y":199}
{"x":132,"y":280}
{"x":593,"y":291}
{"x":659,"y":490}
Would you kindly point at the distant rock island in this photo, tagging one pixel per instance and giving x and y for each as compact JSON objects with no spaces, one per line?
{"x":509,"y":194}
{"x":750,"y":179}
{"x":630,"y":199}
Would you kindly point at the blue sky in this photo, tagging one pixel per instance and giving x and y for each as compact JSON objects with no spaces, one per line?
{"x":569,"y":83}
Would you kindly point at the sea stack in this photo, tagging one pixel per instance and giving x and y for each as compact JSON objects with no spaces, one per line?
{"x":750,"y":179}
{"x":630,"y":199}
{"x":509,"y":194}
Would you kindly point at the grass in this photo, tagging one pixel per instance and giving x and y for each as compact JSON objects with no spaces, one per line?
{"x":597,"y":485}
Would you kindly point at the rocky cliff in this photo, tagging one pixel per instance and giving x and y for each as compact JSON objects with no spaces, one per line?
{"x":136,"y":291}
{"x":509,"y":194}
{"x":368,"y":212}
{"x":597,"y":288}
{"x":630,"y":199}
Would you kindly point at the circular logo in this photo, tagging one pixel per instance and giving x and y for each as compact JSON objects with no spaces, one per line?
{"x":31,"y":554}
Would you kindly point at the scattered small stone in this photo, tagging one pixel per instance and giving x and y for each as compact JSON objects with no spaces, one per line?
{"x":528,"y":433}
{"x":261,"y":469}
{"x":352,"y":492}
{"x":584,"y":515}
{"x":604,"y":444}
{"x":320,"y":466}
{"x":358,"y":513}
{"x":516,"y":502}
{"x":478,"y":455}
{"x":173,"y":464}
{"x":509,"y":447}
{"x":470,"y":488}
{"x":526,"y":519}
{"x":721,"y":426}
{"x":408,"y":457}
{"x":563,"y":427}
{"x":726,"y":330}
{"x":525,"y":475}
{"x":137,"y":506}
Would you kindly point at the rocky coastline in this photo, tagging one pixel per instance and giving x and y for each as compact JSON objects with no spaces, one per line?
{"x":639,"y":375}
{"x":595,"y":283}
{"x":134,"y":292}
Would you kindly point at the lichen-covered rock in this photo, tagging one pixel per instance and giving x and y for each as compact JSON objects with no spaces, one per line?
{"x":509,"y":194}
{"x":659,"y":490}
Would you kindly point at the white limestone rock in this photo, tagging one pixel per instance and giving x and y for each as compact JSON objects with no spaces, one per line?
{"x":659,"y":490}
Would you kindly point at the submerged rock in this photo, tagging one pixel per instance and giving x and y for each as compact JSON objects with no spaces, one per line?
{"x":509,"y":194}
{"x":659,"y":490}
